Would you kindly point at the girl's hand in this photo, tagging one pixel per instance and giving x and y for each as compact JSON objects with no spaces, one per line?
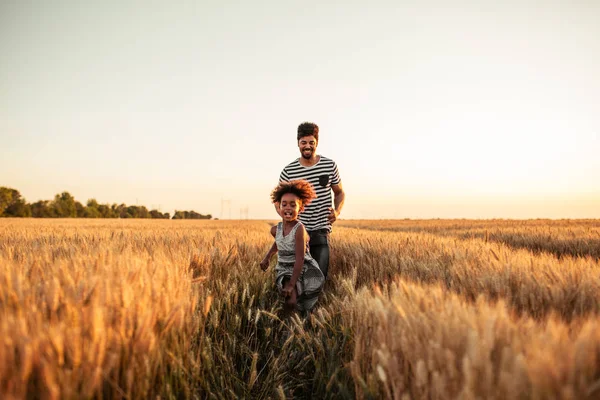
{"x":264,"y":264}
{"x":287,"y":290}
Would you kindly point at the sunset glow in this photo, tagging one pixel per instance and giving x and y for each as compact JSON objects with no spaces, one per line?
{"x":429,"y":111}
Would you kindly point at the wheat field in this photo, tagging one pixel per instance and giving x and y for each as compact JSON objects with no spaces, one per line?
{"x":436,"y":309}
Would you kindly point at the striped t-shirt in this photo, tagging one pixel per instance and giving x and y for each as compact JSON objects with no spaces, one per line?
{"x":321,"y":175}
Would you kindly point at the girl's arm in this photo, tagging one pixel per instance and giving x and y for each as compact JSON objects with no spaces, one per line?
{"x":264,"y":264}
{"x":272,"y":251}
{"x":300,"y":248}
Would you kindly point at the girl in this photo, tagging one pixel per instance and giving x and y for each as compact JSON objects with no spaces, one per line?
{"x":298,"y":276}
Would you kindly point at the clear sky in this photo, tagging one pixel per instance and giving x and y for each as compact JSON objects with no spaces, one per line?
{"x":450,"y":109}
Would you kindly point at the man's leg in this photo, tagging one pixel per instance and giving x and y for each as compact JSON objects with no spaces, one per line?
{"x":319,"y":249}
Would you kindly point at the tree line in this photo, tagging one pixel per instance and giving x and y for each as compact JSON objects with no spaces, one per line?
{"x":64,"y":205}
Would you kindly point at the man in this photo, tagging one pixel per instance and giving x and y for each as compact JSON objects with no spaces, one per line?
{"x":322,"y":173}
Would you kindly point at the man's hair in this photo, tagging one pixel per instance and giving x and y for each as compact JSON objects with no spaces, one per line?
{"x":300,"y":187}
{"x":308,"y":129}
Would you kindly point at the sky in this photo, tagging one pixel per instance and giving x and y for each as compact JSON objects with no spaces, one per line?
{"x":447,"y":109}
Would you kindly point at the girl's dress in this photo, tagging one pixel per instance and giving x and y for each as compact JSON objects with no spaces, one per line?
{"x":311,"y":278}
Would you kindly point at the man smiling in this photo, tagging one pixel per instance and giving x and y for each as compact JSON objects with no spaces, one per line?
{"x":322,"y":173}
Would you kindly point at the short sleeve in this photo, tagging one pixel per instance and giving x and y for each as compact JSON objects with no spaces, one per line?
{"x":335,"y":175}
{"x":283,"y":177}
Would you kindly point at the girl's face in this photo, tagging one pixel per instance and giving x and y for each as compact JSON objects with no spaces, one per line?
{"x":290,"y":206}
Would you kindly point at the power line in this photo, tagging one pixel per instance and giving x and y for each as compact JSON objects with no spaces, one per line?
{"x":225,"y":203}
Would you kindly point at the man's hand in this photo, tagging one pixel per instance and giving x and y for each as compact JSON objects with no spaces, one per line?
{"x":332,"y":217}
{"x":264,"y":264}
{"x":287,"y":290}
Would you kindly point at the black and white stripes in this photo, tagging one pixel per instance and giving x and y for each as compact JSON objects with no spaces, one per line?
{"x":321,"y":175}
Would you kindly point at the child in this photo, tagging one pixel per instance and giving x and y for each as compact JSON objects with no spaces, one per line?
{"x":298,"y":276}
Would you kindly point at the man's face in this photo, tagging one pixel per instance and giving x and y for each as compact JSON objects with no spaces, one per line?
{"x":307,"y":146}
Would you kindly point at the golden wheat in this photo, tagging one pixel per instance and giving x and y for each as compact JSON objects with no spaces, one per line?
{"x":559,"y":237}
{"x":413,"y":309}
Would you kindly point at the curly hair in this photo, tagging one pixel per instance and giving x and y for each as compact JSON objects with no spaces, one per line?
{"x":308,"y":129}
{"x":300,"y":187}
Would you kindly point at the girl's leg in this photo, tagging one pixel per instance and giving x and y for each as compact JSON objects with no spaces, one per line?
{"x":284,"y":281}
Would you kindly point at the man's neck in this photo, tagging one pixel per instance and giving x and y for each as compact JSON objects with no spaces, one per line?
{"x":310,"y":162}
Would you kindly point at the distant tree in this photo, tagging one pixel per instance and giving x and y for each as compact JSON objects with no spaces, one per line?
{"x":195,"y":215}
{"x":128,"y":212}
{"x":106,"y":211}
{"x":18,"y":208}
{"x":137,"y":212}
{"x":91,"y":209}
{"x":80,"y":209}
{"x":8,"y":197}
{"x":42,"y":209}
{"x":64,"y":205}
{"x":92,"y":212}
{"x":120,"y":211}
{"x":157,"y":214}
{"x":190,"y":215}
{"x":179,"y":215}
{"x":143,"y":212}
{"x":92,"y":203}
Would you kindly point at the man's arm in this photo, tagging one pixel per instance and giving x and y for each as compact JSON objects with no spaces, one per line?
{"x":339,"y":196}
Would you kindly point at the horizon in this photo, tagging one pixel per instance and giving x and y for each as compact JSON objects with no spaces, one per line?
{"x":430,"y":112}
{"x":235,"y":218}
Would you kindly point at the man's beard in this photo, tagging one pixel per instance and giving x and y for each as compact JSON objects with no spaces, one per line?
{"x":307,"y":156}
